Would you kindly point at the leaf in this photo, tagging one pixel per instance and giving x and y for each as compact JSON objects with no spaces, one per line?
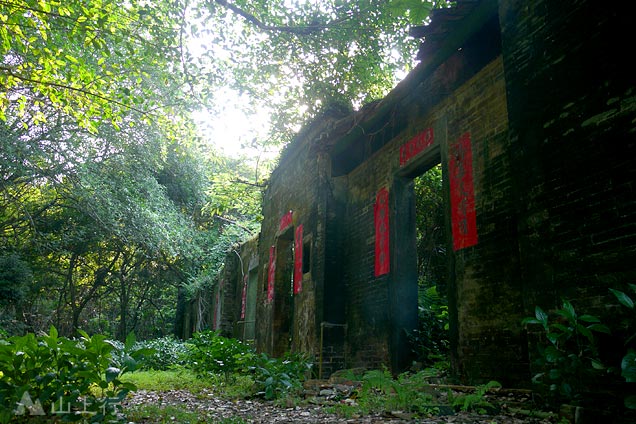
{"x":585,"y":332}
{"x":552,"y":354}
{"x":623,"y":298}
{"x":112,"y":373}
{"x":628,"y":367}
{"x":597,"y":365}
{"x":528,"y":320}
{"x":131,"y":339}
{"x":568,"y":311}
{"x":541,"y":316}
{"x":600,"y":328}
{"x":630,"y":402}
{"x":589,"y":318}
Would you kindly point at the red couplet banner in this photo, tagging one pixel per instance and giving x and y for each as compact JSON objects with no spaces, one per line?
{"x":244,"y":298}
{"x":271,"y":273}
{"x":462,"y":193}
{"x":298,"y":259}
{"x":381,"y":218}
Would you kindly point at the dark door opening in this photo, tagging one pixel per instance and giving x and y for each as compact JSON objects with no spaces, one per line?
{"x":431,"y":340}
{"x":283,"y":294}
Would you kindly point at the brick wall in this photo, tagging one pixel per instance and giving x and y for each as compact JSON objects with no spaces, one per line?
{"x":300,"y":184}
{"x":572,"y":105}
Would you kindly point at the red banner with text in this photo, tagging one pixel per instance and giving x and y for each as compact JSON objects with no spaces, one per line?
{"x":381,"y":218}
{"x":416,"y":145}
{"x":462,"y":193}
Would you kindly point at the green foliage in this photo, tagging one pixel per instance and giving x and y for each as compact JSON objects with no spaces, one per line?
{"x":568,"y":356}
{"x":93,"y":61}
{"x":168,"y":352}
{"x":430,"y":342}
{"x":431,"y":242}
{"x":49,"y":371}
{"x":15,"y":277}
{"x":380,"y":392}
{"x":628,"y":362}
{"x":476,"y":401}
{"x":211,"y":353}
{"x":276,"y":377}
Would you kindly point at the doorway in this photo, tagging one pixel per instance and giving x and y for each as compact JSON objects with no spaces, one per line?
{"x":431,"y":340}
{"x":283,"y":294}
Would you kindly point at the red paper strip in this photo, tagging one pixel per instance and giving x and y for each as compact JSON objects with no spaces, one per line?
{"x":271,"y":273}
{"x":285,"y":221}
{"x":462,"y":193}
{"x":381,"y":218}
{"x":244,"y":298}
{"x":416,"y":145}
{"x":298,"y":259}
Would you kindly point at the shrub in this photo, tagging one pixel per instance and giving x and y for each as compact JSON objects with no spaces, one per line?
{"x":275,"y":377}
{"x":430,"y":342}
{"x":168,"y":352}
{"x":73,"y":379}
{"x":568,"y":356}
{"x":628,"y":362}
{"x":211,"y":353}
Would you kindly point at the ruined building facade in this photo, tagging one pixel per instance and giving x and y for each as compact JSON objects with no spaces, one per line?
{"x":530,"y":108}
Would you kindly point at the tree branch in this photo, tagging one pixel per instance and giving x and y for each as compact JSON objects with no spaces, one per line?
{"x":298,"y":30}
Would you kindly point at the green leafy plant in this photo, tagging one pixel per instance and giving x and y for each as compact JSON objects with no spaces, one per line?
{"x":628,"y":363}
{"x":74,"y":379}
{"x":380,"y":392}
{"x":568,"y":356}
{"x":476,"y":401}
{"x":277,"y":377}
{"x":211,"y":353}
{"x":167,"y":353}
{"x":431,"y":340}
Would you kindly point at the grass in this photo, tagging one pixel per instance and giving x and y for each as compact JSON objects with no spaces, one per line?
{"x":162,"y":381}
{"x":184,"y":379}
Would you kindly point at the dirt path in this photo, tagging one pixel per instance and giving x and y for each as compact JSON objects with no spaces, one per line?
{"x":212,"y":409}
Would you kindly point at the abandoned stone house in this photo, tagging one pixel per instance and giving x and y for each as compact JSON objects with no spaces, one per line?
{"x":530,"y":108}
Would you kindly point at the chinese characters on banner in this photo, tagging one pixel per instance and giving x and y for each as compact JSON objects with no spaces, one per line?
{"x":244,"y":298}
{"x":271,"y":273}
{"x":462,"y":193}
{"x":286,"y":220}
{"x":298,"y":259}
{"x":416,"y":145}
{"x":381,"y":218}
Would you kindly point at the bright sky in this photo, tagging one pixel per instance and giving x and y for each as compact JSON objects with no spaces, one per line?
{"x":231,"y":130}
